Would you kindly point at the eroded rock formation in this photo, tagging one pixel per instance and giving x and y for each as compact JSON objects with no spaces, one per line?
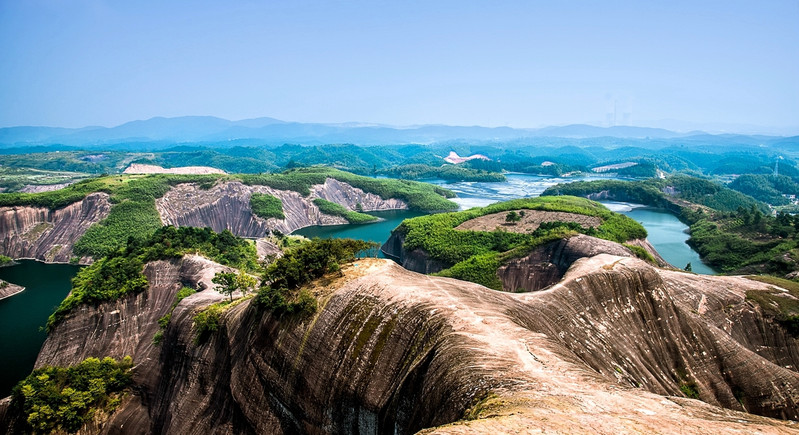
{"x":227,"y":206}
{"x":543,"y":267}
{"x":49,"y":235}
{"x":8,"y":289}
{"x":605,"y":350}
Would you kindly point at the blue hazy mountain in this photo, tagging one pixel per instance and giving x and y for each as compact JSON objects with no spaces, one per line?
{"x":274,"y":131}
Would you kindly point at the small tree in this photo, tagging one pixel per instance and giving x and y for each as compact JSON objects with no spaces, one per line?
{"x":246,"y":282}
{"x":688,"y":267}
{"x":226,"y":283}
{"x":512,"y":217}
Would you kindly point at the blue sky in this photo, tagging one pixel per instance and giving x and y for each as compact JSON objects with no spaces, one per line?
{"x":522,"y":64}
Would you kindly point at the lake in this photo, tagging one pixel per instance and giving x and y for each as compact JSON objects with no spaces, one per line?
{"x":666,"y":233}
{"x":22,"y":315}
{"x":374,"y":232}
{"x":46,"y":285}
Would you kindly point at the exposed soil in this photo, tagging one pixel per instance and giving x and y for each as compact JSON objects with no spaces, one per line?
{"x":529,"y":222}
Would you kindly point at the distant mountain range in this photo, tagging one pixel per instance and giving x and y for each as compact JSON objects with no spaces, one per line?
{"x":274,"y":131}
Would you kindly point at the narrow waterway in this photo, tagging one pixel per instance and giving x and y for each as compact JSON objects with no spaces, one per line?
{"x":666,"y":233}
{"x":23,"y":315}
{"x":374,"y":232}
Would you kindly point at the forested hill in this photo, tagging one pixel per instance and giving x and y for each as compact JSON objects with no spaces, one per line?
{"x":731,"y":231}
{"x":133,"y":212}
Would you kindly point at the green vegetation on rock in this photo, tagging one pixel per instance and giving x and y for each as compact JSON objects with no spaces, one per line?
{"x":777,"y":304}
{"x":729,"y":230}
{"x":476,"y":255}
{"x":281,"y":292}
{"x":120,"y":272}
{"x":333,"y":209}
{"x":133,"y":212}
{"x":266,"y":206}
{"x":163,"y":322}
{"x":419,"y":196}
{"x":662,"y":192}
{"x":55,"y":399}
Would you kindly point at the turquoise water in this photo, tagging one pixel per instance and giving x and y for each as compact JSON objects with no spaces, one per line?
{"x":375,"y":232}
{"x":666,"y":233}
{"x":22,"y":315}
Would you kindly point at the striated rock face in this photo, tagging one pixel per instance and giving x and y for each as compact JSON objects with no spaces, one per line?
{"x":417,"y":260}
{"x":348,"y":196}
{"x":603,"y":351}
{"x":126,"y":326}
{"x":8,"y":289}
{"x":547,"y":264}
{"x":227,"y":206}
{"x":543,"y":267}
{"x":47,"y":235}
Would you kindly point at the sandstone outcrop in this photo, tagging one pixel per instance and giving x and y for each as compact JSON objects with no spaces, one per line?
{"x":49,"y":235}
{"x":543,"y":267}
{"x":605,"y":350}
{"x":227,"y":206}
{"x":8,"y":289}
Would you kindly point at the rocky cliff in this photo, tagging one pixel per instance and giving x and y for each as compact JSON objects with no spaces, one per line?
{"x":227,"y":206}
{"x":613,"y":347}
{"x":49,"y":235}
{"x":543,"y":267}
{"x":8,"y":289}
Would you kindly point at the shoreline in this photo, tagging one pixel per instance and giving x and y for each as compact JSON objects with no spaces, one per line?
{"x":8,"y":289}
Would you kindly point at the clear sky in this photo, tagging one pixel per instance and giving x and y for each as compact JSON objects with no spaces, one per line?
{"x":518,"y":63}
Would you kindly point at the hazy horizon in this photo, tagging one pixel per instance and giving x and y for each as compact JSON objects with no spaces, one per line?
{"x":715,"y":66}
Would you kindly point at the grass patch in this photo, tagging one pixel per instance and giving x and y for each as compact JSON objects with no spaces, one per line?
{"x":55,"y":399}
{"x":481,"y":405}
{"x":782,"y":307}
{"x":266,"y":206}
{"x":641,"y":253}
{"x":6,"y":261}
{"x":333,"y":209}
{"x":690,"y":389}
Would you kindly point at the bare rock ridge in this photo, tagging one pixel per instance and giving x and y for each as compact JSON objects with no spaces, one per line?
{"x":8,"y":289}
{"x":604,"y":350}
{"x":227,"y":206}
{"x":43,"y":234}
{"x":543,"y":267}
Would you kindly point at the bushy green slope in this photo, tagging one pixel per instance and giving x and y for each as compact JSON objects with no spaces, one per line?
{"x":476,"y":255}
{"x":133,"y":213}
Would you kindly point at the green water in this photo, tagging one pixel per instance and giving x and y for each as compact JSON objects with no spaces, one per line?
{"x":667,"y":234}
{"x":21,"y":315}
{"x":375,"y":232}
